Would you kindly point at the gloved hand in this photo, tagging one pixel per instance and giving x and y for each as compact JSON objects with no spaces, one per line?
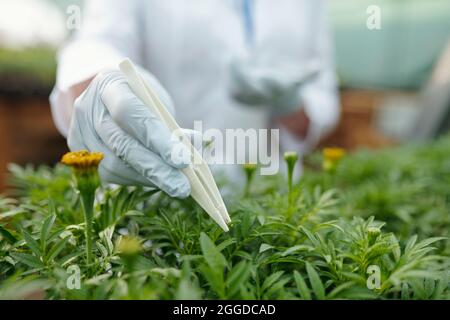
{"x":276,"y":85}
{"x":137,"y":146}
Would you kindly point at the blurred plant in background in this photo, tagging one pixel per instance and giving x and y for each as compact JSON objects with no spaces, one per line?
{"x":30,"y":33}
{"x":27,"y":72}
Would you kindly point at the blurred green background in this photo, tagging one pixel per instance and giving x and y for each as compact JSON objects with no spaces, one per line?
{"x":386,"y":93}
{"x":400,"y":55}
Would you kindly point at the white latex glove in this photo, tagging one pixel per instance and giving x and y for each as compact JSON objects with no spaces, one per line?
{"x":137,"y":146}
{"x":274,"y":85}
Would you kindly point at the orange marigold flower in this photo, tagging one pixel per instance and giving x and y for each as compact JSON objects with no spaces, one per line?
{"x":82,"y":160}
{"x":333,"y":154}
{"x":84,"y":167}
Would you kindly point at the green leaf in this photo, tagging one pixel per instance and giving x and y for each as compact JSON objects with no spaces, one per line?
{"x":214,"y":279}
{"x":270,"y":280}
{"x":411,"y":243}
{"x":440,"y":287}
{"x":277,"y":289}
{"x":405,"y":292}
{"x":264,"y":247}
{"x":7,"y":235}
{"x":31,"y":243}
{"x":302,"y":288}
{"x":225,"y":244}
{"x":396,"y":248}
{"x":310,"y":236}
{"x":45,"y":230}
{"x":70,"y":257}
{"x":237,"y":277}
{"x":212,"y":254}
{"x":291,"y":250}
{"x":27,"y":259}
{"x":316,"y":283}
{"x":244,"y":255}
{"x":56,"y":249}
{"x":340,"y":289}
{"x":167,"y":272}
{"x":427,"y":242}
{"x":11,"y":213}
{"x":187,"y":289}
{"x":106,"y":236}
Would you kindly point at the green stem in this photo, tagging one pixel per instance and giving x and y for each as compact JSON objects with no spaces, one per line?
{"x":87,"y":201}
{"x":290,"y":158}
{"x":247,"y":186}
{"x":290,"y":170}
{"x":249,"y":170}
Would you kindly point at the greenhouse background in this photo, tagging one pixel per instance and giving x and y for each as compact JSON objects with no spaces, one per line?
{"x":390,"y":78}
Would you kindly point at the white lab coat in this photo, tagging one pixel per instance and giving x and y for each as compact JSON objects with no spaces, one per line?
{"x":188,"y":46}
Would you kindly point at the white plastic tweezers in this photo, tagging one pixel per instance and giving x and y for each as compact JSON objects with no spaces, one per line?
{"x":203,"y":187}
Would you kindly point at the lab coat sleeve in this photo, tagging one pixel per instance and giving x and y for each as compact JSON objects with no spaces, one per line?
{"x":319,"y":97}
{"x":109,"y":31}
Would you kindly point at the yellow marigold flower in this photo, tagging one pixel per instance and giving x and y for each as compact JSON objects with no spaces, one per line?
{"x":82,"y":160}
{"x":333,"y":154}
{"x":84,"y":166}
{"x":331,"y":158}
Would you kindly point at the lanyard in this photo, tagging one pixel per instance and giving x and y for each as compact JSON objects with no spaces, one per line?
{"x":247,"y":16}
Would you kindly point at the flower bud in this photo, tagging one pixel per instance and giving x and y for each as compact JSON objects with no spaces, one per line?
{"x":291,"y":158}
{"x":331,"y":158}
{"x":373,"y":233}
{"x":128,"y":246}
{"x":249,"y":169}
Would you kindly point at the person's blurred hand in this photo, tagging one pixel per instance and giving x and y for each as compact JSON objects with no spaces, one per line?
{"x":276,"y":85}
{"x":297,"y":123}
{"x":138,"y":148}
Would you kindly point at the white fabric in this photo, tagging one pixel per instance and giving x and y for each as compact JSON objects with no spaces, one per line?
{"x":189,"y":45}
